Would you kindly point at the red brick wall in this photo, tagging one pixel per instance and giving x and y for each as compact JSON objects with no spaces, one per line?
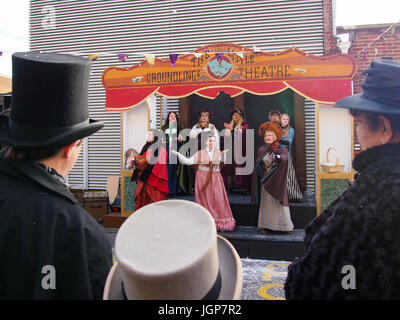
{"x":389,"y":46}
{"x":329,"y":41}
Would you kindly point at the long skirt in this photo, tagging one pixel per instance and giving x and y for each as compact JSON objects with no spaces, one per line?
{"x":272,"y":215}
{"x":173,"y":185}
{"x":214,"y":199}
{"x":146,"y":194}
{"x":294,"y":192}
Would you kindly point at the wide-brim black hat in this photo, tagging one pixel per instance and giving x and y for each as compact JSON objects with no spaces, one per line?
{"x":381,"y":90}
{"x":238,"y":111}
{"x":49,"y":102}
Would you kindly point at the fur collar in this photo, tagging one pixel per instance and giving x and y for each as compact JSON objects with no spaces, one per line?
{"x":376,"y":154}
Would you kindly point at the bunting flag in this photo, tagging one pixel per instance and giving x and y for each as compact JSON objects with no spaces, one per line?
{"x":122,"y":56}
{"x":255,"y":49}
{"x":240,"y":54}
{"x":93,"y":56}
{"x":365,"y":53}
{"x":173,"y":57}
{"x":219,"y":56}
{"x":197,"y":54}
{"x":1,"y":53}
{"x":150,"y":58}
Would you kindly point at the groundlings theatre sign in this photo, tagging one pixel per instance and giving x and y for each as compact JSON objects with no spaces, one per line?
{"x":233,"y":69}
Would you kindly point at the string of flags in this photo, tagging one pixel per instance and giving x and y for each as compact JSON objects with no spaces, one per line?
{"x":150,"y":58}
{"x":364,"y":51}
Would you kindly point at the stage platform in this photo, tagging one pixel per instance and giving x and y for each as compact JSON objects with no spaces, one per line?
{"x":250,"y":243}
{"x":246,"y":213}
{"x":248,"y":240}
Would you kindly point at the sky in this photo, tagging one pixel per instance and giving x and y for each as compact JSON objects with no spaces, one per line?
{"x":14,"y":22}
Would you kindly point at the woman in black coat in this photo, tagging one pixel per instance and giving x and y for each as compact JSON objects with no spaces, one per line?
{"x":352,"y":248}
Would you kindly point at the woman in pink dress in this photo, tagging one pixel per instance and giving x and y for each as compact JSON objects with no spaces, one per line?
{"x":209,"y":185}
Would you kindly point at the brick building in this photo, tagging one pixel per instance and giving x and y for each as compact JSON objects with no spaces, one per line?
{"x":368,"y":43}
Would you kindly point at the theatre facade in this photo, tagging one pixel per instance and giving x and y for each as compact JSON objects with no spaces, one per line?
{"x":251,"y":55}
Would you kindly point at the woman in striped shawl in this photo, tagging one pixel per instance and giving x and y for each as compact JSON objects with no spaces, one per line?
{"x":294,"y":192}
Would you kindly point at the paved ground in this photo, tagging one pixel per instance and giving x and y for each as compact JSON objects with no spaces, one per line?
{"x":262,"y":279}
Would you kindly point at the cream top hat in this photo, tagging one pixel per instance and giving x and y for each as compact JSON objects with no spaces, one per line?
{"x":169,"y":250}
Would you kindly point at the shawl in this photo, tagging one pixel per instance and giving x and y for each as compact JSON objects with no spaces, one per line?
{"x":275,"y":183}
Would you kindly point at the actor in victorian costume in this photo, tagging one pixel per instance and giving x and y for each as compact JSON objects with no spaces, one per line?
{"x":150,"y":172}
{"x":50,"y":247}
{"x":270,"y":178}
{"x":204,"y":128}
{"x":236,"y":130}
{"x":178,"y":174}
{"x":209,"y":186}
{"x":274,"y":115}
{"x":294,"y":191}
{"x":352,"y":247}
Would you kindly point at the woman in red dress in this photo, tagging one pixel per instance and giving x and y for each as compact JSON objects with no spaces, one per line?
{"x":150,"y":173}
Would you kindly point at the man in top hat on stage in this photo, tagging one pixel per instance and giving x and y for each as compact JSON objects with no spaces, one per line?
{"x":50,"y":247}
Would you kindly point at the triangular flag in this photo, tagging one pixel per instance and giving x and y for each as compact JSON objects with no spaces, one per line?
{"x":173,"y":57}
{"x":93,"y":56}
{"x":122,"y":56}
{"x":219,"y":56}
{"x":365,"y":53}
{"x":150,"y":58}
{"x":240,"y":54}
{"x":198,"y":54}
{"x":255,"y":49}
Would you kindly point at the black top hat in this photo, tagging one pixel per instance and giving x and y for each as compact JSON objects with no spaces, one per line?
{"x":238,"y":111}
{"x":49,"y":103}
{"x":381,"y":89}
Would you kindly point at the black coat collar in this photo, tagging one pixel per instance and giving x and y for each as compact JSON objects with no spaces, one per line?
{"x":30,"y":171}
{"x":376,"y":154}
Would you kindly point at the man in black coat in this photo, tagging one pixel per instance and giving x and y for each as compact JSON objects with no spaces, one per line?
{"x":50,"y":247}
{"x":352,"y":247}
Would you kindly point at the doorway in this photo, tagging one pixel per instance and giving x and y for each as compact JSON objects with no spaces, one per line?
{"x":256,"y":109}
{"x":288,"y":101}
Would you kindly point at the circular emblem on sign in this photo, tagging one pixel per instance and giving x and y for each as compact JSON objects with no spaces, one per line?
{"x":219,"y":67}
